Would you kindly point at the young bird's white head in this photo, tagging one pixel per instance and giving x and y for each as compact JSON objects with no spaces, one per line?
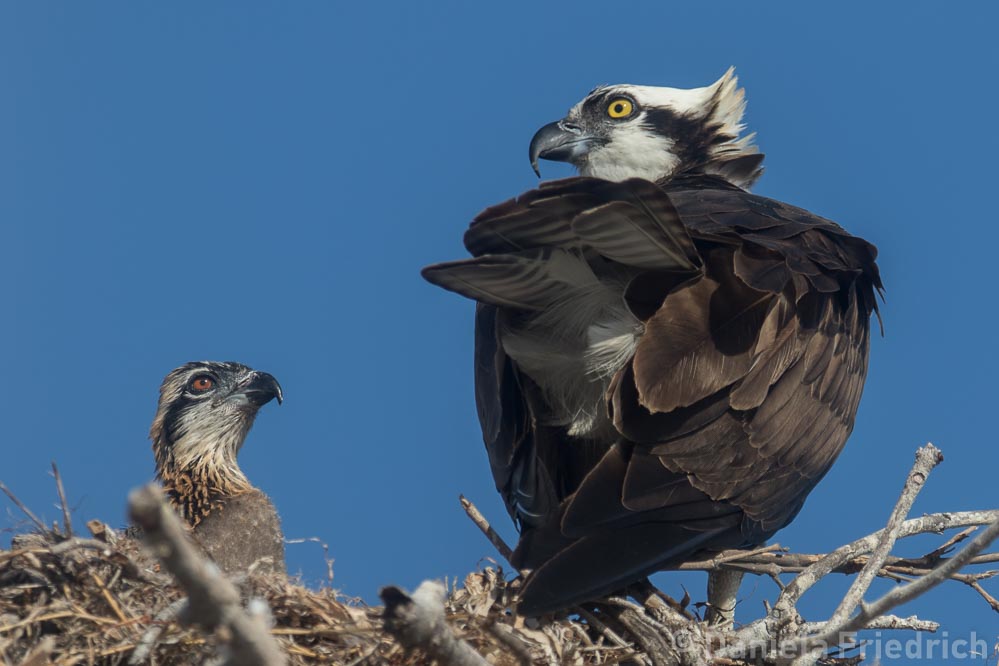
{"x":625,"y":131}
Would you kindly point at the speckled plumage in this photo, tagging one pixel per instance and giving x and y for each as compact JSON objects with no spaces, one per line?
{"x":205,"y":411}
{"x":243,"y":531}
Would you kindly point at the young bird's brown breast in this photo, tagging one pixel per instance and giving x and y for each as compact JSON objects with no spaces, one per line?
{"x":243,"y":531}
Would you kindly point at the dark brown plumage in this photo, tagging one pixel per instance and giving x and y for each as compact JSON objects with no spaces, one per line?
{"x":205,"y":411}
{"x":661,"y":368}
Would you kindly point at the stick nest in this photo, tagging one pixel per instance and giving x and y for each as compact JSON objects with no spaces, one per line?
{"x":99,"y":601}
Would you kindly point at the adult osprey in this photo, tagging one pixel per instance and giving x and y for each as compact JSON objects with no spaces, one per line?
{"x":665,"y":363}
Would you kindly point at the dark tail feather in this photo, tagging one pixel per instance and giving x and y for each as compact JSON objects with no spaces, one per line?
{"x":599,"y":565}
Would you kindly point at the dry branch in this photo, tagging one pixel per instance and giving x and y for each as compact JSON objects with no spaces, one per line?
{"x":67,"y":522}
{"x":806,"y":579}
{"x":890,"y":622}
{"x":927,"y":458}
{"x":39,"y":525}
{"x":480,"y":521}
{"x":934,"y":523}
{"x":787,"y":563}
{"x":900,"y":595}
{"x":783,"y":625}
{"x":417,"y":621}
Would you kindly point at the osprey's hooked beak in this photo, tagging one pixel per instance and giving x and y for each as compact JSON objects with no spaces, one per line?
{"x":561,"y":141}
{"x":258,"y":389}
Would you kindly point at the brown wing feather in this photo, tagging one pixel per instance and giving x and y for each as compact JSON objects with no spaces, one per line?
{"x":704,"y":334}
{"x":741,"y":392}
{"x":538,"y":218}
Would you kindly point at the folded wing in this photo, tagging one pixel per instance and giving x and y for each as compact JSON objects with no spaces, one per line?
{"x":732,"y":398}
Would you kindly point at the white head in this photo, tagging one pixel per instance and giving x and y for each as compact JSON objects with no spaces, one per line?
{"x":626,"y":131}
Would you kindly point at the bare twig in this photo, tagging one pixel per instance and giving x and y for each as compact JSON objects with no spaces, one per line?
{"x":329,"y":561}
{"x":989,"y":599}
{"x":786,"y":563}
{"x":602,"y":627}
{"x":417,"y":622}
{"x":927,"y":457}
{"x":67,"y":522}
{"x":213,"y":600}
{"x":761,"y":633}
{"x":25,"y":510}
{"x":911,"y":623}
{"x":716,"y":560}
{"x":659,"y":604}
{"x":900,"y":595}
{"x":77,"y":542}
{"x":655,"y":640}
{"x":623,"y":602}
{"x":156,"y":628}
{"x":674,"y":641}
{"x":506,"y":635}
{"x":934,"y":555}
{"x":934,"y":523}
{"x":108,"y":597}
{"x":480,"y":521}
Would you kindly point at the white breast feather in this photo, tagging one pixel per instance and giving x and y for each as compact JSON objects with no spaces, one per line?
{"x":635,"y":152}
{"x":573,"y":348}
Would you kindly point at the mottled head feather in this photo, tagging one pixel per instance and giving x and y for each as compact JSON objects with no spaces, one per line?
{"x":197,"y":434}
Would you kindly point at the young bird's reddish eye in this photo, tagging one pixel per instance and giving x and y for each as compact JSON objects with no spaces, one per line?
{"x":202,"y":383}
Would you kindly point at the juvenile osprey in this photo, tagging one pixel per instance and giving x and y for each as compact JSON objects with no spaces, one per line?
{"x":665,"y":364}
{"x":205,"y":411}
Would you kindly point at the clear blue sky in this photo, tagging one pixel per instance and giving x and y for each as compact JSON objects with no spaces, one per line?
{"x":261,"y":182}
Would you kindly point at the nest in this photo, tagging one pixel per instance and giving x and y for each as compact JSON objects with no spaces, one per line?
{"x":69,"y":600}
{"x":105,"y":600}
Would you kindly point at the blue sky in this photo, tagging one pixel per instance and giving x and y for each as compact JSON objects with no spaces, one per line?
{"x":261,"y":182}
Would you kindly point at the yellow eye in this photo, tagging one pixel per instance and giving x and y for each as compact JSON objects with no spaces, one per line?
{"x":620,"y":108}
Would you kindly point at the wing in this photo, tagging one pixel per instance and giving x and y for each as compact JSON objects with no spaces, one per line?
{"x":740,"y":391}
{"x":630,"y":222}
{"x":528,"y":258}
